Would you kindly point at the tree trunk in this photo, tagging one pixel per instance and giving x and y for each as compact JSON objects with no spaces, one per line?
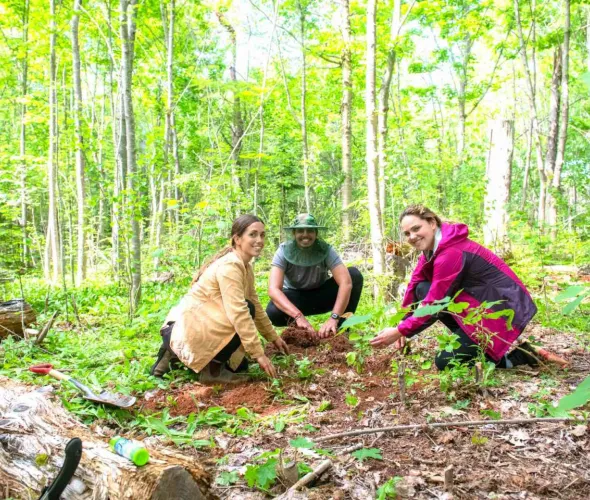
{"x":80,"y":167}
{"x":15,"y":316}
{"x":371,"y":147}
{"x":383,"y":100}
{"x":551,"y":154}
{"x":128,"y":13}
{"x":346,"y":111}
{"x":23,"y":134}
{"x":531,"y":87}
{"x":35,"y":426}
{"x":527,"y":166}
{"x":304,"y":112}
{"x":498,"y":185}
{"x":53,"y":265}
{"x":563,"y":122}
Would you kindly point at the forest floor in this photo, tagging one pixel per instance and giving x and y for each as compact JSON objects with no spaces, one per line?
{"x":320,"y":395}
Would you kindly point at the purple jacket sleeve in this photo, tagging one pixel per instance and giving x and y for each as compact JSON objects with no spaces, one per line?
{"x":445,"y":282}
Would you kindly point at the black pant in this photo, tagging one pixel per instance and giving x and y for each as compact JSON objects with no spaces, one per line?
{"x":317,"y":300}
{"x":222,"y":356}
{"x":468,"y":351}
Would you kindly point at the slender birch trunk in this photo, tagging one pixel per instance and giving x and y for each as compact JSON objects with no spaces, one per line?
{"x":53,"y":265}
{"x":80,"y":166}
{"x":128,"y":13}
{"x":346,"y":111}
{"x":23,"y":135}
{"x":563,"y":121}
{"x":371,"y":146}
{"x":498,"y":170}
{"x":552,"y":137}
{"x":304,"y":110}
{"x":383,"y":100}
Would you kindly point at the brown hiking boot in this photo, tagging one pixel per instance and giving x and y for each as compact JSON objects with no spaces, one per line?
{"x":215,"y":373}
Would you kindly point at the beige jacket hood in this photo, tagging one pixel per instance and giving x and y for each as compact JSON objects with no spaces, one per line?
{"x":214,"y":310}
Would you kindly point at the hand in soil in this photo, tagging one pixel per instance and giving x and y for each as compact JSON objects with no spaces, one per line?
{"x":330,"y":327}
{"x":387,"y":337}
{"x":303,"y":323}
{"x":281,"y":345}
{"x":267,"y":366}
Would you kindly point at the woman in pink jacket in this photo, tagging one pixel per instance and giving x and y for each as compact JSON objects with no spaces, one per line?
{"x":451,"y":262}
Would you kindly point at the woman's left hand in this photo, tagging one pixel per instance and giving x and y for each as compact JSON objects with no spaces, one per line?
{"x":386,"y":337}
{"x":281,"y":345}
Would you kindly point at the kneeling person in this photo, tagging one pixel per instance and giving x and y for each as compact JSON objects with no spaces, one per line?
{"x":299,"y":284}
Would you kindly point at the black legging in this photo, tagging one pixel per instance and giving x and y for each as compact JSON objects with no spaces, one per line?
{"x":317,"y":300}
{"x":468,"y":351}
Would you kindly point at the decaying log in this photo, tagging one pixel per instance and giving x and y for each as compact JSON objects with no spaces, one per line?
{"x":13,"y":314}
{"x":34,"y":430}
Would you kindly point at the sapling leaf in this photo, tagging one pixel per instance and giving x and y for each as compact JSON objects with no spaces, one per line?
{"x":570,"y":293}
{"x":428,"y":310}
{"x":457,"y":307}
{"x":356,"y":320}
{"x":579,"y":397}
{"x":263,"y":475}
{"x":365,"y":453}
{"x":507,"y":313}
{"x":573,"y":304}
{"x":227,"y":478}
{"x":302,"y":442}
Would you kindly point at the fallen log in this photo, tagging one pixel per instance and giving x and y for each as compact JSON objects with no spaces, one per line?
{"x":34,"y":430}
{"x":15,"y":314}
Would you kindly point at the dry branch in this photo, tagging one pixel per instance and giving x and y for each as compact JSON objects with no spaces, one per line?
{"x":466,"y":423}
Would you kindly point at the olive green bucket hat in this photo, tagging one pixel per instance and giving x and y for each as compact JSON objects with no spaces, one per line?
{"x":305,"y":221}
{"x":306,"y":257}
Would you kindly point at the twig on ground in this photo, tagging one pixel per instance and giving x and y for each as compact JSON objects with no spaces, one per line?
{"x":312,"y":476}
{"x":46,"y":329}
{"x":449,"y":478}
{"x":466,"y":423}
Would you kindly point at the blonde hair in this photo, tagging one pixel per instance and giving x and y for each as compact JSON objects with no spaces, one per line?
{"x":238,"y":228}
{"x":422,"y":212}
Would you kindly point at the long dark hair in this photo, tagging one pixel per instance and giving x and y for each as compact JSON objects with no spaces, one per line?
{"x":422,"y":212}
{"x":238,"y":228}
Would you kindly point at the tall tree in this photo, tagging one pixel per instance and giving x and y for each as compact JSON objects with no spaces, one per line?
{"x":302,"y":32}
{"x":80,"y":166}
{"x":346,"y":114}
{"x":371,"y":142}
{"x":127,"y":29}
{"x":24,"y":74}
{"x":563,"y":120}
{"x":498,"y":175}
{"x":383,"y":99}
{"x":53,"y":262}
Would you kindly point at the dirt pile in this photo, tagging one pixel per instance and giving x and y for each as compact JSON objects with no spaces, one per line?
{"x":300,"y":337}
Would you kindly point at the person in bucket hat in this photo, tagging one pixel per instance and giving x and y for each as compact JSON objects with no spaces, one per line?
{"x":300,"y":286}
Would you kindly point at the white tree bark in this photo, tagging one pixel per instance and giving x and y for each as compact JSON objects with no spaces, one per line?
{"x":563,"y":122}
{"x":346,"y":111}
{"x":128,"y":13}
{"x":371,"y":145}
{"x":23,"y":134}
{"x":498,"y":170}
{"x":53,"y":264}
{"x":80,"y":167}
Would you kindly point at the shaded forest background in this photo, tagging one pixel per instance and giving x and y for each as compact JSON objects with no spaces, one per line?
{"x":133,"y":132}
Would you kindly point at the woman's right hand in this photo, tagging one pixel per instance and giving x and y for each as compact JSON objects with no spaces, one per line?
{"x":302,"y":322}
{"x":267,"y":366}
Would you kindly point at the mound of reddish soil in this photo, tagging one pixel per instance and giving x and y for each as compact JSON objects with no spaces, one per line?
{"x":252,"y":396}
{"x":300,"y":337}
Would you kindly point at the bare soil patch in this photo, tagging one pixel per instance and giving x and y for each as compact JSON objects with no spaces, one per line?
{"x":549,"y":460}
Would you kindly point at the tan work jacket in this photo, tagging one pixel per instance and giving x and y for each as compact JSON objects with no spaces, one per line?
{"x":214,"y":310}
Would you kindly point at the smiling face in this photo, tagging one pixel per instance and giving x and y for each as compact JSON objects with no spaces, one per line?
{"x":305,"y":237}
{"x":251,"y":242}
{"x":419,"y":232}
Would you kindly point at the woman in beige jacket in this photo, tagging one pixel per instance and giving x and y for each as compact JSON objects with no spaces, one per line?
{"x":216,"y":322}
